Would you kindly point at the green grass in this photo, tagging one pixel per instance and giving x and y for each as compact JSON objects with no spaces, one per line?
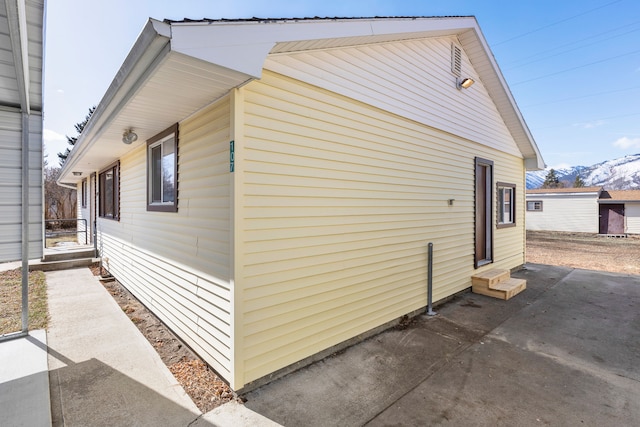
{"x":11,"y":301}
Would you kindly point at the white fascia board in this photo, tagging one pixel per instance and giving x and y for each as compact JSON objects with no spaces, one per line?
{"x":616,"y":202}
{"x":244,"y":46}
{"x":560,"y":195}
{"x":497,"y":85}
{"x":151,"y":47}
{"x":534,"y":163}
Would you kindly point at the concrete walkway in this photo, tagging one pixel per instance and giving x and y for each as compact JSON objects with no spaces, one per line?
{"x":103,"y":372}
{"x":24,"y":381}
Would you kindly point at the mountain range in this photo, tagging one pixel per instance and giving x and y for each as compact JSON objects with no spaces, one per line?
{"x":618,"y":174}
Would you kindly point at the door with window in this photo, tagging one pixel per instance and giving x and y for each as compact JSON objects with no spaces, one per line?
{"x":483,"y":216}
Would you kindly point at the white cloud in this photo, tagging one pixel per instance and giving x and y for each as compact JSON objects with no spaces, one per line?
{"x":49,"y":135}
{"x":625,"y":143}
{"x":54,"y":143}
{"x":590,"y":125}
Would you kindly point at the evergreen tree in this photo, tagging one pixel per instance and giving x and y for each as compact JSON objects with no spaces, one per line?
{"x":551,"y":180}
{"x":578,"y":182}
{"x":71,"y":140}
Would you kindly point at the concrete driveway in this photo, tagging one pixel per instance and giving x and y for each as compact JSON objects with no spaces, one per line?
{"x":564,"y":352}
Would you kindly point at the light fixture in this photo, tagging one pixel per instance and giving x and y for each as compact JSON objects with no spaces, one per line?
{"x":464,"y":83}
{"x":77,"y":173}
{"x":129,"y":136}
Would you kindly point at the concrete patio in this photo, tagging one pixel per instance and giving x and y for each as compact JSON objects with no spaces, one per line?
{"x":564,"y":352}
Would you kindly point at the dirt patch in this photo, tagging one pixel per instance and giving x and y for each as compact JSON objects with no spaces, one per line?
{"x":585,"y":250}
{"x":204,"y":387}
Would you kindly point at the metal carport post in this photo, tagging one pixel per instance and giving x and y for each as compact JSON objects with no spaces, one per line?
{"x":17,"y":22}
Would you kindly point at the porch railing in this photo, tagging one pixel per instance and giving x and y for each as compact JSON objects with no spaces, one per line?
{"x":63,"y":229}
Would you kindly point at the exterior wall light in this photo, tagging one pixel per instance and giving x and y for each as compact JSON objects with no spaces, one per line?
{"x":129,"y":136}
{"x":464,"y":83}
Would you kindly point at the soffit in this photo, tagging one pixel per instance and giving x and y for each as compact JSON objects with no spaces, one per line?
{"x":9,"y":84}
{"x":180,"y":86}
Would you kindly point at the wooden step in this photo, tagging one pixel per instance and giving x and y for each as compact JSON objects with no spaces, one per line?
{"x":505,"y":290}
{"x":490,"y":278}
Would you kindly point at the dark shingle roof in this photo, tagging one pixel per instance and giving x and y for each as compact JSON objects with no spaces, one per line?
{"x":315,"y":18}
{"x":564,"y":190}
{"x":622,"y":195}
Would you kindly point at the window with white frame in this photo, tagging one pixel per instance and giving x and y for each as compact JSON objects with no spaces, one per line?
{"x":506,"y":205}
{"x":534,"y":205}
{"x":162,"y":171}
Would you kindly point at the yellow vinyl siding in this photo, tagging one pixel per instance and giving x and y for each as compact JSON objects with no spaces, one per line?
{"x":177,"y":264}
{"x":410,"y":78}
{"x":340,"y":200}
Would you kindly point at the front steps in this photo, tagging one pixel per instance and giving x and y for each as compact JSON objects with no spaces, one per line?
{"x":64,"y":258}
{"x":497,"y":283}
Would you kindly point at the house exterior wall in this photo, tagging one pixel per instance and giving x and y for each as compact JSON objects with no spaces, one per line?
{"x":177,"y":264}
{"x":412,"y":79}
{"x":632,"y":216}
{"x":564,"y":212}
{"x":339,"y":201}
{"x":11,"y":186}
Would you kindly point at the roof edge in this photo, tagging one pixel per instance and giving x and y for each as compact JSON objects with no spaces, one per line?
{"x":564,"y":191}
{"x":535,"y":162}
{"x":151,"y":46}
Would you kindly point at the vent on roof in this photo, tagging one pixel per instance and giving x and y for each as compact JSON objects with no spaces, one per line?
{"x":456,"y":60}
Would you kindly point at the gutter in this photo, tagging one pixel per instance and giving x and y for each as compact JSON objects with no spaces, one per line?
{"x":150,"y":49}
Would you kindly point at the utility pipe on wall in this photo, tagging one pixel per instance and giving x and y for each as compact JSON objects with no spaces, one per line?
{"x":430,"y":311}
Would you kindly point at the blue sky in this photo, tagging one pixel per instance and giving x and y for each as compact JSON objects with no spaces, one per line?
{"x":572,"y":66}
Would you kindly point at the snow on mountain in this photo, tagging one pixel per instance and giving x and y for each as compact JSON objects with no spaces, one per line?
{"x":618,"y":174}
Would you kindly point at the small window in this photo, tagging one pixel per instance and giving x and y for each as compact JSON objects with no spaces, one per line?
{"x":506,"y":205}
{"x":534,"y":206}
{"x":109,"y":187}
{"x":84,"y":193}
{"x":162,"y":171}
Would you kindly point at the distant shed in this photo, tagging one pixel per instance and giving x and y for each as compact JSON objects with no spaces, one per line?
{"x":620,"y":212}
{"x":563,"y":209}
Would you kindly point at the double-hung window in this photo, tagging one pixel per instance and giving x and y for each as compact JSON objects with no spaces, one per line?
{"x":506,"y":205}
{"x":162,"y":171}
{"x":534,"y":206}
